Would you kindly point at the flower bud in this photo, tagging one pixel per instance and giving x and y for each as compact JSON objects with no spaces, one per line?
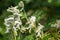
{"x":21,"y":4}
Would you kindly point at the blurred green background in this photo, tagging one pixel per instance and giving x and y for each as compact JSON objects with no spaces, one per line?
{"x":50,"y":11}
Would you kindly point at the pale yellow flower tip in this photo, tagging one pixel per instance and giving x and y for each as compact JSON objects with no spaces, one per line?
{"x":15,"y":33}
{"x":21,"y":4}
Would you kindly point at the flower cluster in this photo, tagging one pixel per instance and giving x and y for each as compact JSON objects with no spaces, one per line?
{"x":14,"y":22}
{"x":31,"y":23}
{"x":57,"y":24}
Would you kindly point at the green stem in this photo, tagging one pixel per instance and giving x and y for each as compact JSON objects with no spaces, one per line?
{"x":26,"y":15}
{"x":14,"y":37}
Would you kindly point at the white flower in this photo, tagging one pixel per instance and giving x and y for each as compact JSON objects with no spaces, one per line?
{"x":17,"y":24}
{"x":58,"y":22}
{"x":32,"y":19}
{"x":17,"y":17}
{"x":39,"y":30}
{"x":23,"y":29}
{"x":21,"y":4}
{"x":7,"y":29}
{"x":31,"y":22}
{"x":13,"y":9}
{"x":28,"y":28}
{"x":8,"y":21}
{"x":17,"y":14}
{"x":39,"y":27}
{"x":14,"y":28}
{"x":38,"y":34}
{"x":55,"y":25}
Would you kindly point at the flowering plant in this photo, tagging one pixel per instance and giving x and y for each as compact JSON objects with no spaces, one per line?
{"x":19,"y":23}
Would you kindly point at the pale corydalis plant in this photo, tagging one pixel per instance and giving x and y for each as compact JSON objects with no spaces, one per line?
{"x":14,"y":22}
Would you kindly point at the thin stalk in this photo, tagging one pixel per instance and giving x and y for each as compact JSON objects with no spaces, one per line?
{"x":26,"y":15}
{"x":14,"y":37}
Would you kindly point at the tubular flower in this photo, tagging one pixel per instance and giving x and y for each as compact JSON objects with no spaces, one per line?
{"x":21,"y":4}
{"x":8,"y":21}
{"x":17,"y":24}
{"x":7,"y":29}
{"x":13,"y":9}
{"x":57,"y":24}
{"x":39,"y":29}
{"x":17,"y":17}
{"x":32,"y":21}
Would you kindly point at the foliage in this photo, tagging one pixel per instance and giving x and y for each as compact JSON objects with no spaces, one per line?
{"x":45,"y":11}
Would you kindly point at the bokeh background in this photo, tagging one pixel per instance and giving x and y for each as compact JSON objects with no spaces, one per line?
{"x":47,"y":10}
